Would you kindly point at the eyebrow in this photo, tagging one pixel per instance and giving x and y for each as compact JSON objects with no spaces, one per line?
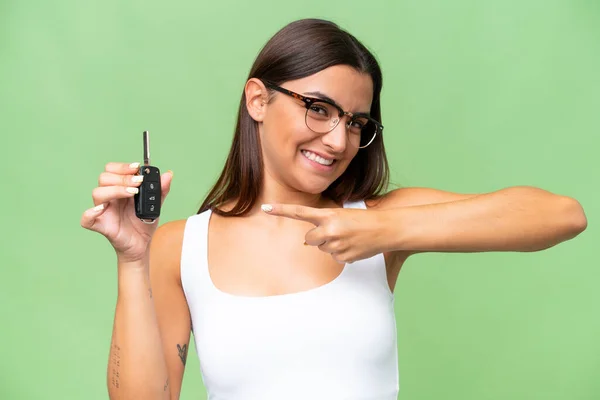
{"x":323,"y":96}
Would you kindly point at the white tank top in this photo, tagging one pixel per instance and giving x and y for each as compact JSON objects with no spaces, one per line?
{"x":336,"y":341}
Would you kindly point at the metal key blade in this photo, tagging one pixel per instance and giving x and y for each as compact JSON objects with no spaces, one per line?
{"x":146,"y":148}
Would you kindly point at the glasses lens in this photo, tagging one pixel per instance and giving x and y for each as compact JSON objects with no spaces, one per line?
{"x":323,"y":117}
{"x":364,"y":129}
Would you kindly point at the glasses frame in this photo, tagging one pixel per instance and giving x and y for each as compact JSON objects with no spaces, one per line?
{"x":308,"y":101}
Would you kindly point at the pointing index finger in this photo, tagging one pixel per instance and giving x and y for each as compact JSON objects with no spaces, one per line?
{"x":303,"y":213}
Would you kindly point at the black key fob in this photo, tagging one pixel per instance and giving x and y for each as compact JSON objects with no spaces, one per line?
{"x":147,"y":200}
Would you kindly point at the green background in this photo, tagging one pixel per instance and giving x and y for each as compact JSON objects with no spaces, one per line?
{"x":478,"y":95}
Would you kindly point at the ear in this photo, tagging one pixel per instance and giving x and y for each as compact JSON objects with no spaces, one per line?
{"x":257,"y":97}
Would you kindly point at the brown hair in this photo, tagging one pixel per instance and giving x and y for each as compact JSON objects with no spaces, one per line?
{"x":298,"y":50}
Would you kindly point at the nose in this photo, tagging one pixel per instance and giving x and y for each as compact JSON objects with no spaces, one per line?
{"x":336,"y":139}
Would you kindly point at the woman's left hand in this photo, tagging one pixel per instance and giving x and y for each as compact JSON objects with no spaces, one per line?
{"x":348,"y":234}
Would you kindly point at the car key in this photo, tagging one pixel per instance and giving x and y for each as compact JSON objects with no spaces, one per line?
{"x":147,"y":200}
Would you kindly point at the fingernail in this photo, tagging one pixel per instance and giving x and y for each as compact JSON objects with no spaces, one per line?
{"x":134,"y":165}
{"x":137,"y":178}
{"x":171,"y":172}
{"x":132,"y":190}
{"x":267,"y":207}
{"x":98,"y":207}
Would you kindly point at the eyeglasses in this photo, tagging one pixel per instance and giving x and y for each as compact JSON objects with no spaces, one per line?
{"x":322,"y":116}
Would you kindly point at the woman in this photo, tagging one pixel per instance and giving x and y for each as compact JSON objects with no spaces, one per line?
{"x":286,"y":273}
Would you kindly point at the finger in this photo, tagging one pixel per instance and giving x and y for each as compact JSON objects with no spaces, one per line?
{"x":315,"y":216}
{"x":337,"y":259}
{"x":114,"y":179}
{"x":165,"y":184}
{"x":89,"y":217}
{"x":335,"y":255}
{"x":122,"y":168}
{"x":326,"y":247}
{"x":104,"y":194}
{"x":315,"y":237}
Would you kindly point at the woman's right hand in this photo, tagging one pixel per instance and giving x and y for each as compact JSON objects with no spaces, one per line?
{"x":114,"y":213}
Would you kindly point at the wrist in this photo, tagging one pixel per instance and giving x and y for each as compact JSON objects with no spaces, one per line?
{"x":394,"y":229}
{"x":133,"y":278}
{"x":133,"y":264}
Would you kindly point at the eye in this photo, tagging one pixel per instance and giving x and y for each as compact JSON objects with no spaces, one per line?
{"x":319,"y":109}
{"x":358,"y":124}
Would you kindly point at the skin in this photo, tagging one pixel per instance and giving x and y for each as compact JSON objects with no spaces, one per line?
{"x":280,"y":263}
{"x":271,"y":256}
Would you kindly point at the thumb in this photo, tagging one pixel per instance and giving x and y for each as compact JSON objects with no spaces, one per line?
{"x":165,"y":184}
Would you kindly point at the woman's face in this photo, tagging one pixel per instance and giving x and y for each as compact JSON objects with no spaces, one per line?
{"x":290,"y":148}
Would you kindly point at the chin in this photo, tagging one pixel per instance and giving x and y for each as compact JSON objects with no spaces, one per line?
{"x":313,"y":189}
{"x":312,"y":183}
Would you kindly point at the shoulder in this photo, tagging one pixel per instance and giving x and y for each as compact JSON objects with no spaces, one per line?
{"x":166,"y":246}
{"x":169,"y":234}
{"x":414,"y":196}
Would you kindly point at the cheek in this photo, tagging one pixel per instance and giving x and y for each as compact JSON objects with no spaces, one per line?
{"x":285,"y":132}
{"x":294,"y":128}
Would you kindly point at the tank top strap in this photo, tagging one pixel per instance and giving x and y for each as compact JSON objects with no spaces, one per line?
{"x":355,"y":204}
{"x":194,"y":263}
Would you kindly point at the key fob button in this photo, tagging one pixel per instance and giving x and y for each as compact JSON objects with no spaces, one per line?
{"x":151,"y":187}
{"x":151,"y":208}
{"x":151,"y":198}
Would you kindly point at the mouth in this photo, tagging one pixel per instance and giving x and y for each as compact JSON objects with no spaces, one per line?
{"x":318,"y":159}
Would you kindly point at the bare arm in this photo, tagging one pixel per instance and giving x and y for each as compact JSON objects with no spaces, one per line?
{"x":136,"y":368}
{"x":152,"y":324}
{"x":513,"y":219}
{"x":171,"y":307}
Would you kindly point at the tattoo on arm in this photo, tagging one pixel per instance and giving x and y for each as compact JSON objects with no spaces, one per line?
{"x":150,"y":292}
{"x":183,"y":353}
{"x":115,"y":358}
{"x":166,"y":384}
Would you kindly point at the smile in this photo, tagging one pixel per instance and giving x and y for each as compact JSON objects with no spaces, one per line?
{"x":313,"y":157}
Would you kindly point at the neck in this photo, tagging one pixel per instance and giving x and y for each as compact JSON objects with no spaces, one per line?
{"x":274,"y":192}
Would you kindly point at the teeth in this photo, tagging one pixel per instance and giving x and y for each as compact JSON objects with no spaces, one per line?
{"x":314,"y":157}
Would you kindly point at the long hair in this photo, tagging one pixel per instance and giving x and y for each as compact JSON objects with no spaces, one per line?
{"x":298,"y":50}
